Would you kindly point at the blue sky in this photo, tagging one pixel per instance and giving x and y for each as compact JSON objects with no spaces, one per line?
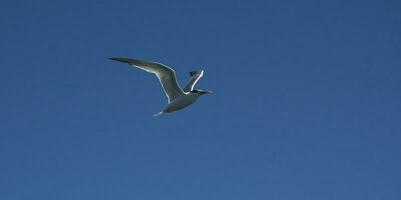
{"x":306,"y":101}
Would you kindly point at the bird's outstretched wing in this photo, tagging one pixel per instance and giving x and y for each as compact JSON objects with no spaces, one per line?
{"x":165,"y":74}
{"x":195,"y":76}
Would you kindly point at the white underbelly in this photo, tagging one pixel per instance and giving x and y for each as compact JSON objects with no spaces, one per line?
{"x":181,"y":102}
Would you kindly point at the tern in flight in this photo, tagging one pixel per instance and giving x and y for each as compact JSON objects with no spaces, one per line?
{"x":177,"y":98}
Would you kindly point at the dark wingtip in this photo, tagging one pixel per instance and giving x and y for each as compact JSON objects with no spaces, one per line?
{"x":124,"y":60}
{"x":193,"y":73}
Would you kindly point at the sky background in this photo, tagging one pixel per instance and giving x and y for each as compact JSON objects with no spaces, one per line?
{"x":306,"y":103}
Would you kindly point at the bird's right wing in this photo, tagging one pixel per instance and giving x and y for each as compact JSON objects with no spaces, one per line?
{"x":195,"y":76}
{"x":165,"y":74}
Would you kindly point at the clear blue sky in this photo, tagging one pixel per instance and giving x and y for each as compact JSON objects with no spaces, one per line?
{"x":307,"y":101}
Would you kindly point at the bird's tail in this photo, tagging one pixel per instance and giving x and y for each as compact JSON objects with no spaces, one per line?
{"x":158,"y":114}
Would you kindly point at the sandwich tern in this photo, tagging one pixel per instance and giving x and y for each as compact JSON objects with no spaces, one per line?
{"x":178,"y":98}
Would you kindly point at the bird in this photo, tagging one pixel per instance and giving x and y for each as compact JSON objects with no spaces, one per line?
{"x":177,"y":97}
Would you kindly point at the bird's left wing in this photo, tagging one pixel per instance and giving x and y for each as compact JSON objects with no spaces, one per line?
{"x":195,"y":76}
{"x":165,"y":74}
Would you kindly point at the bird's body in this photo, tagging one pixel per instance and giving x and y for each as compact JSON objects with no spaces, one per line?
{"x":177,"y":97}
{"x":182,"y":102}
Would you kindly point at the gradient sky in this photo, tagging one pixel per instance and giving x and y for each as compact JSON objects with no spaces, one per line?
{"x":306,"y":103}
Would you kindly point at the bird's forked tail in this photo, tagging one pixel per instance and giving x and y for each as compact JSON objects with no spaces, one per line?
{"x":158,"y":114}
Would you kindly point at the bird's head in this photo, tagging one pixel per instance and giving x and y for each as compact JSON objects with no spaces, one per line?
{"x":201,"y":92}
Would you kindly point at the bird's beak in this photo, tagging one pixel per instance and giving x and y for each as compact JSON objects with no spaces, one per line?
{"x":208,"y":92}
